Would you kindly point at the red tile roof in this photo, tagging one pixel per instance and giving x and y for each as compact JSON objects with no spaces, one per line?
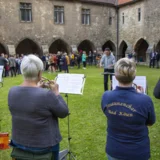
{"x":123,"y":1}
{"x":113,"y":2}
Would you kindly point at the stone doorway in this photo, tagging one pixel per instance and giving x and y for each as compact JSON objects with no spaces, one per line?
{"x":59,"y":45}
{"x":122,"y":50}
{"x":158,"y":47}
{"x":2,"y":49}
{"x":28,"y":46}
{"x":87,"y":46}
{"x":109,"y":44}
{"x":140,"y":50}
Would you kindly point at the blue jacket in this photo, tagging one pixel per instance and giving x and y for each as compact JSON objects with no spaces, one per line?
{"x":128,"y":114}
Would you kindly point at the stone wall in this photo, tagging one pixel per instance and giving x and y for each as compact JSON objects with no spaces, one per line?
{"x":136,"y":36}
{"x":43,"y":31}
{"x":140,"y":36}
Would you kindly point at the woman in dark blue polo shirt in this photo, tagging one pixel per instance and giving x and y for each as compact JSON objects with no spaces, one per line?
{"x":129,"y":114}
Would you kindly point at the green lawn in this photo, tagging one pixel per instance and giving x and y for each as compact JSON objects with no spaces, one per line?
{"x":87,"y":122}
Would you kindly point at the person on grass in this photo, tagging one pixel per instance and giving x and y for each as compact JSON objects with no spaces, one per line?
{"x":107,"y":61}
{"x":35,"y":112}
{"x":129,"y":113}
{"x":84,"y":58}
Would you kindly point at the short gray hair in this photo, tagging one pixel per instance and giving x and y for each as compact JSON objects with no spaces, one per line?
{"x":31,"y":66}
{"x":125,"y":70}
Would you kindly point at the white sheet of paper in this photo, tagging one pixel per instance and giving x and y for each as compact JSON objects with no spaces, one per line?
{"x":139,"y":80}
{"x":71,"y":83}
{"x":1,"y":72}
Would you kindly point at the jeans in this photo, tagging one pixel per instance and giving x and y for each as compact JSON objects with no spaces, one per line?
{"x":152,"y":63}
{"x":157,"y":63}
{"x":13,"y":71}
{"x":55,"y":155}
{"x":111,"y":158}
{"x":32,"y":152}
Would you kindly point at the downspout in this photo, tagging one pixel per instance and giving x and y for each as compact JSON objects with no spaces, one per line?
{"x":117,"y":12}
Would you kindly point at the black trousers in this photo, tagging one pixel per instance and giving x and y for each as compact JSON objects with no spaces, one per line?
{"x":84,"y":64}
{"x":13,"y":71}
{"x":78,"y":64}
{"x":106,"y":78}
{"x":152,"y":63}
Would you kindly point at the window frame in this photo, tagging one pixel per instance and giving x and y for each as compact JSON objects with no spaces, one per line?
{"x":85,"y":16}
{"x":123,"y":18}
{"x":58,"y":10}
{"x":139,"y":14}
{"x":27,"y":11}
{"x":110,"y":20}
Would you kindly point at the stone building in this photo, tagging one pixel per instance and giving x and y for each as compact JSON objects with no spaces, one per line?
{"x":138,"y":27}
{"x":42,"y":26}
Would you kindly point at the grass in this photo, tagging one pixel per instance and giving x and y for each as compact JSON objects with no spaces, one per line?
{"x":87,"y":122}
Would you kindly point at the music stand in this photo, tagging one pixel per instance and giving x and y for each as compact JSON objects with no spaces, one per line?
{"x":70,"y":84}
{"x":109,"y":73}
{"x":139,"y":81}
{"x":1,"y":73}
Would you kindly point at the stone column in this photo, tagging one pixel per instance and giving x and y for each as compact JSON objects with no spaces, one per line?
{"x":45,"y":49}
{"x":11,"y":49}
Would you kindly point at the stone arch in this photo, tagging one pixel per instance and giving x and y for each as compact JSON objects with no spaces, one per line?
{"x":86,"y":45}
{"x":109,"y":44}
{"x":122,"y":49}
{"x":157,"y":48}
{"x":59,"y":45}
{"x":28,"y":46}
{"x":3,"y":49}
{"x":140,"y":49}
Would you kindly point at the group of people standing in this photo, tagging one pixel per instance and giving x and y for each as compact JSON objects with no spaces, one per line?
{"x":11,"y":64}
{"x":154,"y":59}
{"x":56,"y":62}
{"x":62,"y":61}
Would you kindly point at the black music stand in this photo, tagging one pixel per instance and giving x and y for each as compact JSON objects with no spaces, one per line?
{"x":74,"y":84}
{"x":109,"y":73}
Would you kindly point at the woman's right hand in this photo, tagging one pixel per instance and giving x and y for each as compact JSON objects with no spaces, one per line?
{"x":54,"y":87}
{"x":140,"y":89}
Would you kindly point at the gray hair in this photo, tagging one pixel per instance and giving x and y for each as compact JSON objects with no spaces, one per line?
{"x":31,"y":66}
{"x":125,"y":70}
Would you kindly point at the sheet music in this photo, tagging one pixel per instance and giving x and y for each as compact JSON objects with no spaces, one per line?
{"x":71,"y":83}
{"x":139,"y":80}
{"x":1,"y":72}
